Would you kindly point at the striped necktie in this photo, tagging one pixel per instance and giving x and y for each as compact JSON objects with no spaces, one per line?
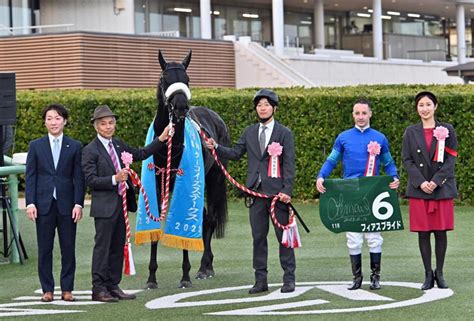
{"x":116,"y":164}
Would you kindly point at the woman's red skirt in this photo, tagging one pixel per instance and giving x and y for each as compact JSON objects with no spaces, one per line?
{"x":431,"y":215}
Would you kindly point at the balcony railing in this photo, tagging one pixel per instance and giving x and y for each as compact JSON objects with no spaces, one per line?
{"x":12,"y":31}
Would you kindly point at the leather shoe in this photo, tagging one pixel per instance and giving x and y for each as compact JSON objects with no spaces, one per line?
{"x":429,"y":281}
{"x":47,"y":297}
{"x":119,"y":294}
{"x":67,"y":296}
{"x":288,"y":287}
{"x":103,"y":296}
{"x":258,"y":288}
{"x":440,"y":281}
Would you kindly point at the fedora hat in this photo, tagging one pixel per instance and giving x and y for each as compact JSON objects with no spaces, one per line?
{"x":101,"y":112}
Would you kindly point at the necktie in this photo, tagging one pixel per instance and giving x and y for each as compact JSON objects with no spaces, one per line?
{"x":115,"y":162}
{"x":262,"y":139}
{"x":56,"y":151}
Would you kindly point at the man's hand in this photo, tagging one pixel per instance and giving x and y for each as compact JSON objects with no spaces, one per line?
{"x":394,"y":184}
{"x":121,"y":176}
{"x":32,"y":213}
{"x":211,"y":143}
{"x":284,"y":197}
{"x":167,"y":132}
{"x":320,"y":185}
{"x":76,"y":214}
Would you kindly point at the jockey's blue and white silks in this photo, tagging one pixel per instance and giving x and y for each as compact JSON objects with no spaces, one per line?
{"x":148,"y":230}
{"x":183,"y":227}
{"x":184,"y":220}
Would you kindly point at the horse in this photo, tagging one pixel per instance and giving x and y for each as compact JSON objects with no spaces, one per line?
{"x":176,"y":107}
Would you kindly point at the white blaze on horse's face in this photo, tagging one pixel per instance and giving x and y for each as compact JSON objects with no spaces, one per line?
{"x":178,"y":87}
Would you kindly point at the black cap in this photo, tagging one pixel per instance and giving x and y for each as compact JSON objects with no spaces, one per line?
{"x":266,"y":93}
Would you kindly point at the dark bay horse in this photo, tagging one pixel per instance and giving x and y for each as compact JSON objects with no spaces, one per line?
{"x":174,"y":103}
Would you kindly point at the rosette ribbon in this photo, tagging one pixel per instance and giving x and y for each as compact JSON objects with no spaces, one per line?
{"x":274,"y":150}
{"x":374,"y":149}
{"x":441,"y":133}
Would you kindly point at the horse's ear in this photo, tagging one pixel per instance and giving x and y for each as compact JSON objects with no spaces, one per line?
{"x":187,"y":59}
{"x":162,"y":60}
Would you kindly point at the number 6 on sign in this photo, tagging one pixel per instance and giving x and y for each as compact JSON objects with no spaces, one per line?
{"x":378,"y":204}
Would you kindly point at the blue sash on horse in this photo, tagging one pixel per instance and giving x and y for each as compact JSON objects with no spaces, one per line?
{"x":183,"y":228}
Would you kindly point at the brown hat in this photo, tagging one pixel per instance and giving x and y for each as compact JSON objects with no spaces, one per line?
{"x":101,"y":112}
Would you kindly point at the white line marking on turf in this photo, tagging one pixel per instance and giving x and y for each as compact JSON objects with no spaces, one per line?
{"x":355,"y":295}
{"x":171,"y":301}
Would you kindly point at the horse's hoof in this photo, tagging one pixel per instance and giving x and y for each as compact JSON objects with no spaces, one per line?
{"x":151,"y":285}
{"x":201,"y":275}
{"x":185,"y":285}
{"x":210,"y":274}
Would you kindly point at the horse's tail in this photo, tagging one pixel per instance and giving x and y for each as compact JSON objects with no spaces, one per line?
{"x":217,"y":200}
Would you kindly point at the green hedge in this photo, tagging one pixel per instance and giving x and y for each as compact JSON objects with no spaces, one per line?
{"x":315,"y":115}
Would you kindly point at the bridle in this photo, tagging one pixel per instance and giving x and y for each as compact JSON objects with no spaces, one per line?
{"x":167,"y":100}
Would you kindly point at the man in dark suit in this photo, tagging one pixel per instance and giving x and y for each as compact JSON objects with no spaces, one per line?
{"x":104,"y":172}
{"x":254,"y":141}
{"x":55,"y":197}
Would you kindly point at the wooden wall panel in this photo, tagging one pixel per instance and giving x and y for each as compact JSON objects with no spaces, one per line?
{"x":99,"y":60}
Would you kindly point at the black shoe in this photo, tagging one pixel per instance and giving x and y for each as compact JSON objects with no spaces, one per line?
{"x":258,"y":288}
{"x":103,"y":296}
{"x":429,"y":281}
{"x":288,"y":287}
{"x":440,"y":281}
{"x":119,"y":294}
{"x":356,"y":283}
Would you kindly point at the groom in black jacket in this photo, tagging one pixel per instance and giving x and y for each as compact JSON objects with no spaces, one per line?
{"x":255,"y":141}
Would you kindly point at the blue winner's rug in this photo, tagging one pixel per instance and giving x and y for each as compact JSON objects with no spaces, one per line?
{"x":183,"y":227}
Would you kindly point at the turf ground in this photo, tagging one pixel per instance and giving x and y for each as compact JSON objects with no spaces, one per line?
{"x":323,"y":258}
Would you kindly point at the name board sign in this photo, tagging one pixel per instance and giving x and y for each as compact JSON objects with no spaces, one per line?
{"x":364,"y":204}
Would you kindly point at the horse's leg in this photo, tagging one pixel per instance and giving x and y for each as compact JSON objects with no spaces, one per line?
{"x":152,"y":267}
{"x":206,"y":269}
{"x":186,"y":266}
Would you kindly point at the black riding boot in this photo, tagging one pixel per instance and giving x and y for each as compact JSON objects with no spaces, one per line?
{"x":356,"y":263}
{"x":375,"y":259}
{"x":429,"y":280}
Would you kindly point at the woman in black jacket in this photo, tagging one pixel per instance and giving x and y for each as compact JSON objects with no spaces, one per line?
{"x":429,"y":154}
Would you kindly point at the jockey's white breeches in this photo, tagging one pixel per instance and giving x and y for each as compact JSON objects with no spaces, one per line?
{"x":355,"y":241}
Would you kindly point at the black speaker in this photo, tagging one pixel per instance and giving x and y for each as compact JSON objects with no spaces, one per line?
{"x":7,"y":99}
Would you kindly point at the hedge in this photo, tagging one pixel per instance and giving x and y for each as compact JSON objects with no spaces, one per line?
{"x":315,"y":115}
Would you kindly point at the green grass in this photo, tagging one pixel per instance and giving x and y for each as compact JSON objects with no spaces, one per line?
{"x":323,"y":258}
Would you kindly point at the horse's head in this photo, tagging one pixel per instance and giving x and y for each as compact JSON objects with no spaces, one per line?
{"x":174,"y":90}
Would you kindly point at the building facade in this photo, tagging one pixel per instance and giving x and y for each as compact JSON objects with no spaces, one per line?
{"x":428,"y":29}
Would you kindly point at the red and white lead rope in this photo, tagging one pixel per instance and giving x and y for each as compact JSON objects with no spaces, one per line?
{"x":129,"y":265}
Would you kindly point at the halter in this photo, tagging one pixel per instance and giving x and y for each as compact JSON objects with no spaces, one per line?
{"x":177,"y":87}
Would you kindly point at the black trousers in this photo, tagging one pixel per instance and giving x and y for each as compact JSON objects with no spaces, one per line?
{"x":107,"y":257}
{"x":46,"y":224}
{"x":259,"y":223}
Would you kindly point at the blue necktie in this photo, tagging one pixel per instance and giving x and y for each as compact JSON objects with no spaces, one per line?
{"x":56,"y":152}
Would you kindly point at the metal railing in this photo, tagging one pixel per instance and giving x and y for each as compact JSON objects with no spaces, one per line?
{"x":11,"y":30}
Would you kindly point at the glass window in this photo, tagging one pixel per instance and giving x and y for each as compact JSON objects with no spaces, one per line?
{"x":241,"y":21}
{"x":4,"y":17}
{"x":174,"y":18}
{"x":20,"y":13}
{"x":298,"y":30}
